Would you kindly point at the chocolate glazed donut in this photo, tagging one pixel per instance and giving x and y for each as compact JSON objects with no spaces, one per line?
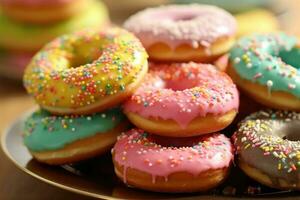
{"x":268,"y":148}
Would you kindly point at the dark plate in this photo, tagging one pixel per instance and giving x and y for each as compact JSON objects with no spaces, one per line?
{"x":96,"y":177}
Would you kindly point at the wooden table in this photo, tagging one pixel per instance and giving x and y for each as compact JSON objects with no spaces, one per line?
{"x":15,"y":184}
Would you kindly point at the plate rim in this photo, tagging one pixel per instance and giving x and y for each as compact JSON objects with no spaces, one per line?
{"x":3,"y":145}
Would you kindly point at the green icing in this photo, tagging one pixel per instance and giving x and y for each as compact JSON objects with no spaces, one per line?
{"x":291,"y":57}
{"x":272,"y":60}
{"x":44,"y":131}
{"x":31,"y":36}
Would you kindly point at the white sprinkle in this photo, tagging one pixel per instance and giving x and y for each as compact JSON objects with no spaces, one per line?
{"x":243,"y":139}
{"x":275,"y":154}
{"x":269,"y":83}
{"x":103,"y":115}
{"x":237,"y":60}
{"x":249,"y":65}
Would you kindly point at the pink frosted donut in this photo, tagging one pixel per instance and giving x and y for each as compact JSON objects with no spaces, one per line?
{"x":183,"y":99}
{"x":13,"y":64}
{"x":190,"y":164}
{"x":184,"y":32}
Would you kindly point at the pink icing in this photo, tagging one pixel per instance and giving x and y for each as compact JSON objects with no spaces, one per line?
{"x":138,"y":150}
{"x":19,"y":60}
{"x":197,"y":25}
{"x":35,"y":2}
{"x":182,"y":92}
{"x":15,"y":63}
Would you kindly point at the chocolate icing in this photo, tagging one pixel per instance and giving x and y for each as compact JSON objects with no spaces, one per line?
{"x":269,"y":141}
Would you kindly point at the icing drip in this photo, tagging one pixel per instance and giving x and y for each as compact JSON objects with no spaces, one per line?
{"x":182,"y":92}
{"x":139,"y":150}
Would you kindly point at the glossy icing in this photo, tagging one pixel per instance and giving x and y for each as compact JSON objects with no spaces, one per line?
{"x":139,"y":150}
{"x":196,"y":25}
{"x":259,"y":141}
{"x":12,"y":34}
{"x":58,"y":76}
{"x":231,"y":5}
{"x":261,"y":59}
{"x":182,"y":92}
{"x":44,"y":131}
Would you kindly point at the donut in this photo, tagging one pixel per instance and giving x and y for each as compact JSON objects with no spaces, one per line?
{"x":66,"y":139}
{"x":13,"y":63}
{"x":41,"y":11}
{"x":86,"y":71}
{"x":194,"y":164}
{"x":182,"y":33}
{"x":262,"y":21}
{"x":182,"y":100}
{"x":265,"y":66}
{"x":268,"y":148}
{"x":30,"y":38}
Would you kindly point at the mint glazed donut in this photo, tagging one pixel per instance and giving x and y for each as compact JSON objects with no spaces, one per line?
{"x":266,"y":67}
{"x":268,"y":148}
{"x":65,"y":139}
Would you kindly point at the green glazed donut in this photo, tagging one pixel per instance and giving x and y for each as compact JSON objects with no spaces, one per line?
{"x":44,"y":131}
{"x":272,"y":63}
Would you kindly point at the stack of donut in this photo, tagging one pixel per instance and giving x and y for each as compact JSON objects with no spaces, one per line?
{"x":87,"y":83}
{"x":79,"y":115}
{"x":182,"y":104}
{"x":26,"y":25}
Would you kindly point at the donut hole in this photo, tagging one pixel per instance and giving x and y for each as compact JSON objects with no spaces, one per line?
{"x":175,"y":142}
{"x":291,"y":57}
{"x":290,"y":131}
{"x":180,"y":85}
{"x":176,"y":16}
{"x":185,"y":17}
{"x":84,"y":55}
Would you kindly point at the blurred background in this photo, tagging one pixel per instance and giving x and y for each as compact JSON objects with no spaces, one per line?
{"x":21,"y":38}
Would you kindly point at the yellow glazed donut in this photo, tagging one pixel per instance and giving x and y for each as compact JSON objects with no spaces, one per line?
{"x":256,"y":21}
{"x":86,"y":71}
